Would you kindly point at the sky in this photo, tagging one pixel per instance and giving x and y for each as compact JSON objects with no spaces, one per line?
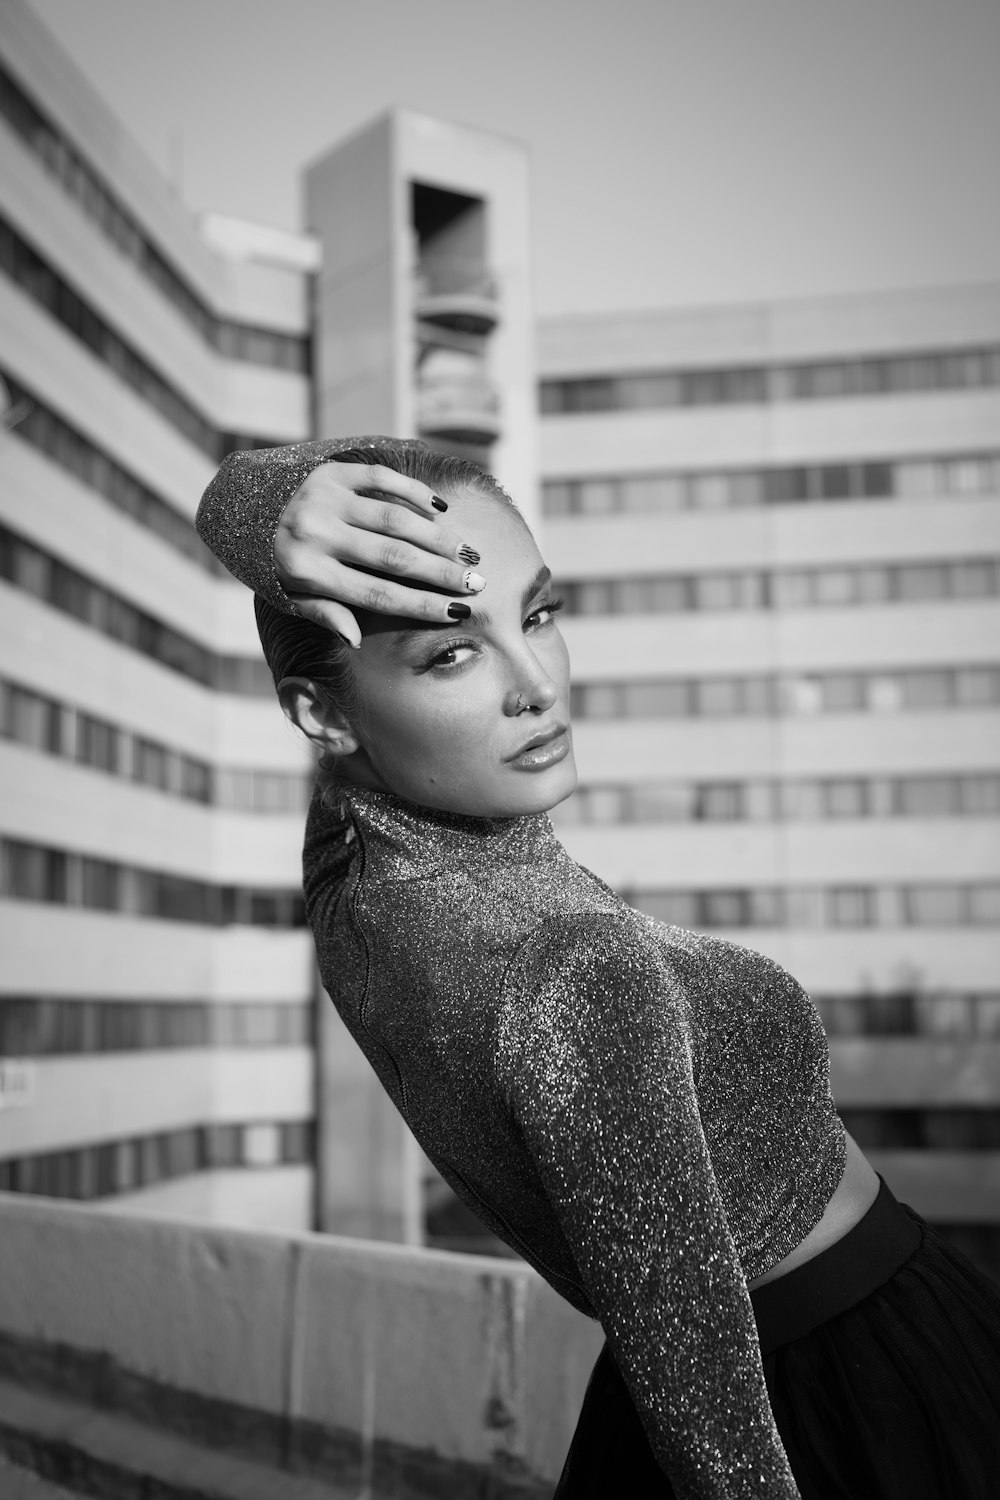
{"x":681,"y":151}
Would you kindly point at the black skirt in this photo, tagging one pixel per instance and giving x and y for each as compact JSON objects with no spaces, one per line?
{"x":882,"y":1362}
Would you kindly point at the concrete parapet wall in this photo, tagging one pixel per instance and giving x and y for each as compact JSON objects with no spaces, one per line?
{"x":403,"y":1372}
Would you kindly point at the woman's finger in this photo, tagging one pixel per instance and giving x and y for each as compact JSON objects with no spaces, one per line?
{"x":392,"y":519}
{"x":348,"y":586}
{"x":333,"y":617}
{"x":388,"y":482}
{"x":381,"y":553}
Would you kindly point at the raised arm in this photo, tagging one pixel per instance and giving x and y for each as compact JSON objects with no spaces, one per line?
{"x":599,"y":1079}
{"x":301,"y":529}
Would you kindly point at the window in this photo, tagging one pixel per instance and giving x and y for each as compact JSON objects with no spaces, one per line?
{"x":678,"y":908}
{"x":720,"y":591}
{"x":709,"y":491}
{"x":720,"y":801}
{"x":99,"y":884}
{"x":935,"y":906}
{"x":663,"y":801}
{"x":984,"y":905}
{"x":639,"y":392}
{"x":718,"y":697}
{"x":656,"y":700}
{"x":149,"y":764}
{"x":917,"y":581}
{"x":849,"y":907}
{"x":833,"y":586}
{"x":557,"y":499}
{"x":928,"y":689}
{"x":872,"y":585}
{"x":792,"y":589}
{"x":605,"y":804}
{"x":845,"y":798}
{"x":96,"y":743}
{"x":725,"y":909}
{"x":884,"y":693}
{"x":980,"y":795}
{"x":594,"y":597}
{"x":597,"y":497}
{"x":836,"y":481}
{"x":31,"y":719}
{"x":598,"y":700}
{"x":644,"y":493}
{"x":802,"y":801}
{"x":32,"y":873}
{"x":843,"y":692}
{"x":977,"y":687}
{"x":975,"y":579}
{"x":927,"y":796}
{"x":669,"y":595}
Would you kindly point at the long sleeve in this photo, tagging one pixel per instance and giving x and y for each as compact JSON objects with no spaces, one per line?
{"x":240,"y":510}
{"x":598,"y":1074}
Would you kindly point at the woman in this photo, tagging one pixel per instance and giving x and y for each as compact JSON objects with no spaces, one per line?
{"x":642,"y":1112}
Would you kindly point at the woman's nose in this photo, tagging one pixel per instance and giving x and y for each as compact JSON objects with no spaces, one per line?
{"x":536,"y":691}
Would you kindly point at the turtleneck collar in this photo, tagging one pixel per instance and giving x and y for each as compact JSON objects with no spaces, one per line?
{"x":415,"y":840}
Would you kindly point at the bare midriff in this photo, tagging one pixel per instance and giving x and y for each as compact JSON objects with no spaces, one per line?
{"x":855,"y":1195}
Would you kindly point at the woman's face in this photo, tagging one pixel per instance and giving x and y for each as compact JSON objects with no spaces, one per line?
{"x":472,"y":716}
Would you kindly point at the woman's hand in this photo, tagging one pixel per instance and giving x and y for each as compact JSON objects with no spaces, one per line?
{"x":328,"y":532}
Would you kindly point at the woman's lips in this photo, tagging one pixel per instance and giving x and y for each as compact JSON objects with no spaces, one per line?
{"x":542,"y":750}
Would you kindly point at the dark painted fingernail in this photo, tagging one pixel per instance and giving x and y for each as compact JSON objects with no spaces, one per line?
{"x":459,"y":611}
{"x":438,"y":503}
{"x":469,"y":554}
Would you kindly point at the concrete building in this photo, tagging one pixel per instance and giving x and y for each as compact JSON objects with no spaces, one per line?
{"x":779,"y":533}
{"x":156,"y":993}
{"x":158,"y":1006}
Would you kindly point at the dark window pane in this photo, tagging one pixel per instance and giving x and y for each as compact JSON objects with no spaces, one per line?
{"x":927,"y":796}
{"x":678,"y":908}
{"x":725,"y":909}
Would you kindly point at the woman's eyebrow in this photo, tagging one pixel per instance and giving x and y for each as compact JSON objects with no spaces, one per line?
{"x":478,"y":617}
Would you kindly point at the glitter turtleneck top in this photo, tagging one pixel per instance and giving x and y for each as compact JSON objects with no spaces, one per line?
{"x":643,"y":1112}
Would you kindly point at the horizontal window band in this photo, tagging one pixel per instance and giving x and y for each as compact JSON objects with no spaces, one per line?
{"x":768,"y":695}
{"x":890,"y":373}
{"x":60,"y":729}
{"x":937,"y":904}
{"x":71,"y":592}
{"x":36,"y":872}
{"x":939,"y":580}
{"x":932,"y":1015}
{"x":108,"y":1168}
{"x":963,"y":794}
{"x":930,"y":1129}
{"x":705,"y":491}
{"x":88,"y":189}
{"x":59,"y":1026}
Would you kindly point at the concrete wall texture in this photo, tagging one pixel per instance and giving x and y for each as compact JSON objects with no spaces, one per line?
{"x":357,"y":1361}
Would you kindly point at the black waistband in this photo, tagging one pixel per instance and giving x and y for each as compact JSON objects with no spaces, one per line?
{"x":838,"y":1277}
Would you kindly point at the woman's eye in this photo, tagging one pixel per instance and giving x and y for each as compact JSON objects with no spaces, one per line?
{"x":544,"y":614}
{"x":455,"y":655}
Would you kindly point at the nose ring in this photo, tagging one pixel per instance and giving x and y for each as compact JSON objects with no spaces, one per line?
{"x":521,"y":704}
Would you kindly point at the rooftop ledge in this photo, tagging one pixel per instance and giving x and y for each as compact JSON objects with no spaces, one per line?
{"x":231,"y":1363}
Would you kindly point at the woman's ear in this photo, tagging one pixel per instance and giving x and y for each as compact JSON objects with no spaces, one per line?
{"x":305,"y":708}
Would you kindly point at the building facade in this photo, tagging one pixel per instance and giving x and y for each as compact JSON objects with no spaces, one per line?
{"x":778,"y":531}
{"x":156,"y":994}
{"x":163,"y":1043}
